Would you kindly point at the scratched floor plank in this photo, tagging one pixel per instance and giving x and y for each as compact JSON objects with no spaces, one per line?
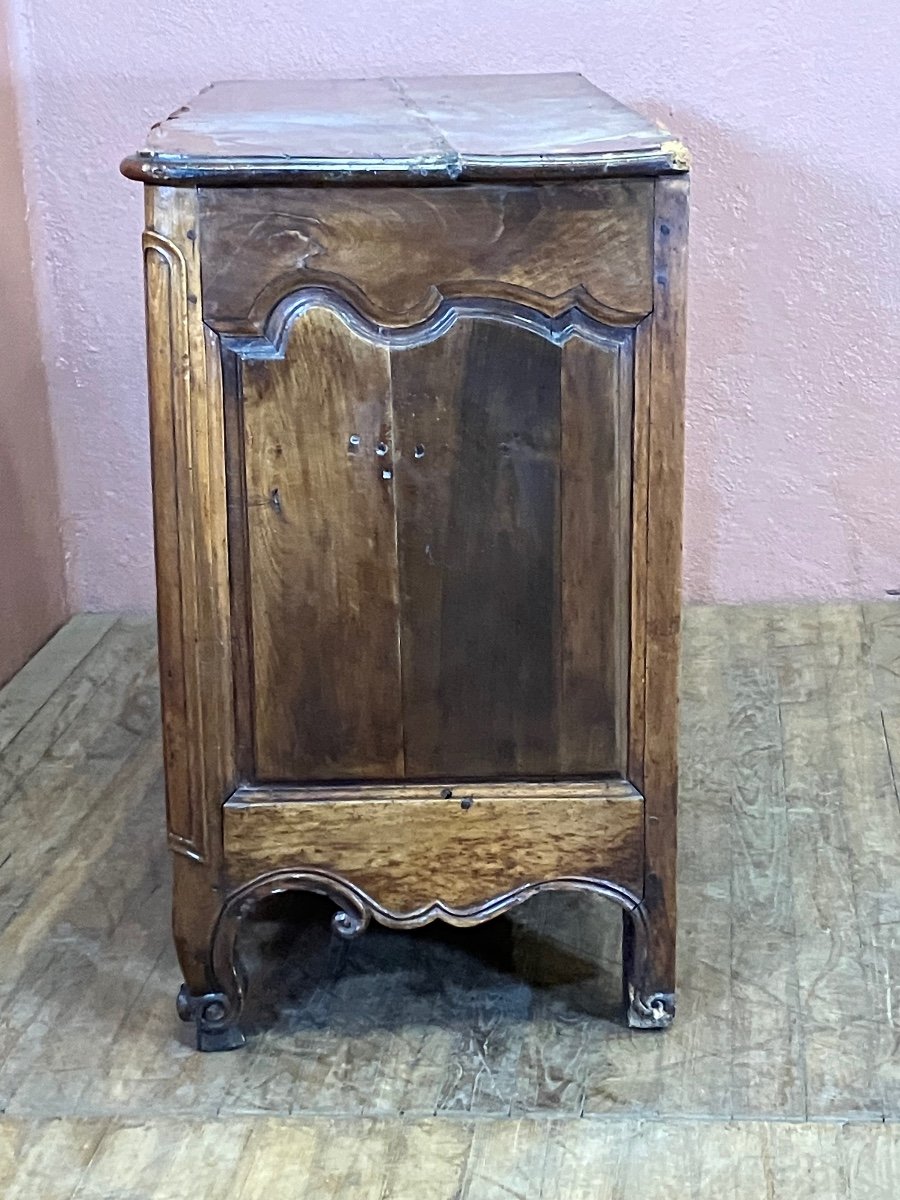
{"x":767,"y":1071}
{"x":823,"y":713}
{"x":460,"y":1044}
{"x":688,"y":1070}
{"x":329,"y":1158}
{"x":46,"y":673}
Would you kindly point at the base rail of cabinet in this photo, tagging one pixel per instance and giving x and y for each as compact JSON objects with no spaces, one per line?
{"x":407,"y":855}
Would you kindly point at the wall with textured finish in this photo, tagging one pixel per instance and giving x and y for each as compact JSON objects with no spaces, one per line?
{"x":32,"y":576}
{"x":791,"y":111}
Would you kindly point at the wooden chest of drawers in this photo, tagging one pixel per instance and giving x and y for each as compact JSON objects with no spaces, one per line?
{"x":416,"y":357}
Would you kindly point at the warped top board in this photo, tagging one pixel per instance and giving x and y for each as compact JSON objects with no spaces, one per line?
{"x":439,"y":130}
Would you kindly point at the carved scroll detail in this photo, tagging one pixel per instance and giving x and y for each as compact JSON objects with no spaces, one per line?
{"x":218,"y":1013}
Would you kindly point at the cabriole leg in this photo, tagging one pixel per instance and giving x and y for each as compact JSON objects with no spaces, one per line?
{"x":213,"y":992}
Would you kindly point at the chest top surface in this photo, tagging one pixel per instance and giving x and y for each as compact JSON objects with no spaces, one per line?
{"x":438,"y":130}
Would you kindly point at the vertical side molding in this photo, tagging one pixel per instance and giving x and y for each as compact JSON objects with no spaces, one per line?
{"x":637,"y":681}
{"x":188,"y":463}
{"x":665,"y":480}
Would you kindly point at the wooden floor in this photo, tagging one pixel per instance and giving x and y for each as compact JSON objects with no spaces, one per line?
{"x":482,"y":1063}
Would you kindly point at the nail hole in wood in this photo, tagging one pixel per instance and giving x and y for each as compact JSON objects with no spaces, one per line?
{"x":381,"y":449}
{"x":419,"y":451}
{"x":353,"y":443}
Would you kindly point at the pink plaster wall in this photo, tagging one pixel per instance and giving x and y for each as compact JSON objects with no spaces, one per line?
{"x":32,"y":575}
{"x":792,"y":113}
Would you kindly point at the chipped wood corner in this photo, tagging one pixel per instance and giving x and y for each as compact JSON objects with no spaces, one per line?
{"x":678,"y":153}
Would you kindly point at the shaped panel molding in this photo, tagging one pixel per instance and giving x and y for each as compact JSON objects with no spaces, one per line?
{"x":403,"y":251}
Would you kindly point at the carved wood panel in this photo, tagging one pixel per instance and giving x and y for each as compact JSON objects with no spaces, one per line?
{"x":400,"y":252}
{"x":437,"y":523}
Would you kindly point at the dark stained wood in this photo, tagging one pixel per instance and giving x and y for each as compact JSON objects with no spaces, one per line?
{"x":165,"y":303}
{"x":595,"y":419}
{"x":418,"y":131}
{"x":638,"y":537}
{"x":665,"y":474}
{"x":407,"y":855}
{"x":190,"y":513}
{"x":323,"y":564}
{"x":478,"y":521}
{"x":450,"y":421}
{"x":395,"y":252}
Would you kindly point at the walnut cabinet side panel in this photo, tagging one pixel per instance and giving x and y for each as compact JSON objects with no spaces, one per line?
{"x":188,"y":465}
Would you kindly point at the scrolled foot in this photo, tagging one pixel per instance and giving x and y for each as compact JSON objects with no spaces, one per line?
{"x":650,"y":1012}
{"x":214,"y":1020}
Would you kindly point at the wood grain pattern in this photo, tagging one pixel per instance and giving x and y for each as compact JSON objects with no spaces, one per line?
{"x":837,"y":780}
{"x":872,"y":741}
{"x":191,"y":542}
{"x":37,"y":682}
{"x":520,"y":1015}
{"x":511,"y":547}
{"x":323,"y":559}
{"x":408,"y":854}
{"x":765,"y":1034}
{"x":188,"y":460}
{"x":611,"y":789}
{"x":272,"y":1158}
{"x":637,"y":655}
{"x":478,"y":521}
{"x":396,"y":252}
{"x":665,"y":474}
{"x":595,"y":534}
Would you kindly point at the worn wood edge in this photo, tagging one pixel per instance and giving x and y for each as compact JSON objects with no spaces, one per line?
{"x":614,"y":790}
{"x":238,"y":558}
{"x":396,"y":847}
{"x":169,"y":387}
{"x":665,"y":504}
{"x":638,"y":564}
{"x":363,"y":907}
{"x":574,"y":312}
{"x":191,"y":546}
{"x":671,"y":157}
{"x":396,"y":851}
{"x":557,"y":319}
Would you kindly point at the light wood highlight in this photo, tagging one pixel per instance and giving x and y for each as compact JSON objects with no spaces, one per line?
{"x":410,"y":854}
